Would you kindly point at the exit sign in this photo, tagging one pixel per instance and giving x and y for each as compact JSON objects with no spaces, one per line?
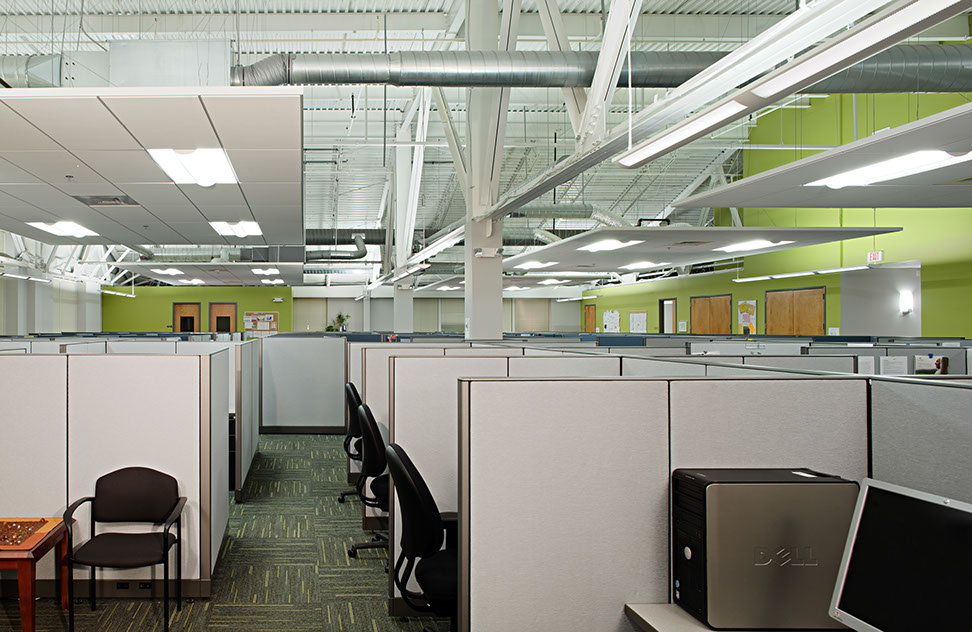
{"x":875,"y":257}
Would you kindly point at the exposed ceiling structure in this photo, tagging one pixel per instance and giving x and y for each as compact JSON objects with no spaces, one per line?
{"x":351,"y":135}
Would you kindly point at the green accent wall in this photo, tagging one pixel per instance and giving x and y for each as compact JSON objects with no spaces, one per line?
{"x":151,"y":310}
{"x":939,"y":238}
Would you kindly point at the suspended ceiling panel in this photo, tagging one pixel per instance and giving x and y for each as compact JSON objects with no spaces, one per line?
{"x":60,"y":143}
{"x":219,"y":273}
{"x":785,"y":187}
{"x":669,"y":247}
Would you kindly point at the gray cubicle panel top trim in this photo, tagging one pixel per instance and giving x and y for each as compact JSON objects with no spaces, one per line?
{"x":841,"y":376}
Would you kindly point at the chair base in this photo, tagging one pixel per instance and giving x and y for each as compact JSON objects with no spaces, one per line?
{"x":380,"y":541}
{"x":353,"y":493}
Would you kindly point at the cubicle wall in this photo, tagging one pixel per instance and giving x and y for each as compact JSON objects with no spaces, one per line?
{"x":33,"y":469}
{"x":303,"y":384}
{"x":534,"y":531}
{"x":922,"y":435}
{"x":834,"y":363}
{"x":532,"y":528}
{"x":82,"y":416}
{"x":141,"y":346}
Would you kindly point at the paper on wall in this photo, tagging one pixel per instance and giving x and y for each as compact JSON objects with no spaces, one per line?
{"x":894,"y":365}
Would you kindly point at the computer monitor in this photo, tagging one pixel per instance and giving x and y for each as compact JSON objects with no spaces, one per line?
{"x":907,"y":564}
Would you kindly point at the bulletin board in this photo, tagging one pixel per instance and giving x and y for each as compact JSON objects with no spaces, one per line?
{"x":612,"y":321}
{"x":638,"y":322}
{"x":260,"y":324}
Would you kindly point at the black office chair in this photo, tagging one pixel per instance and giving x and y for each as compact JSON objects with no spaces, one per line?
{"x":373,"y":466}
{"x":423,"y":531}
{"x":131,"y":494}
{"x":352,"y":440}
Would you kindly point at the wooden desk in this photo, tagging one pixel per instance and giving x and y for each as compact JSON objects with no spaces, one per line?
{"x":23,"y":558}
{"x":663,"y":617}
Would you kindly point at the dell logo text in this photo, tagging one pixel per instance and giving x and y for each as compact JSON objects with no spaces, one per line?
{"x":784,"y":556}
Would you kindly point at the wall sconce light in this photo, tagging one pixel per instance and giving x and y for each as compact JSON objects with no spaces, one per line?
{"x":906,"y":301}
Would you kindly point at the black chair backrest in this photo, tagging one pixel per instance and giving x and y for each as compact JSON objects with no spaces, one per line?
{"x":134,"y":494}
{"x":354,"y":401}
{"x":372,"y":445}
{"x":422,"y":530}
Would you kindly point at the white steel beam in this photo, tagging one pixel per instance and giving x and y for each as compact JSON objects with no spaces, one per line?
{"x":452,"y":138}
{"x":557,"y":40}
{"x":614,"y":47}
{"x":713,"y":170}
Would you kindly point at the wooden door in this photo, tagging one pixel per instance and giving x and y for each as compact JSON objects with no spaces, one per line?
{"x":222,"y":317}
{"x":795,"y":312}
{"x":590,"y":318}
{"x":185,"y":317}
{"x":711,"y":314}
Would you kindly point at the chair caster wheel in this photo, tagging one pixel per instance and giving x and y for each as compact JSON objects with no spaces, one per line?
{"x":341,"y":499}
{"x":352,"y":553}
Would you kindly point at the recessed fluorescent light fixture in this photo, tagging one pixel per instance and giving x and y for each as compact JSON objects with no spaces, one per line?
{"x":609,"y":244}
{"x":267,"y":272}
{"x":204,"y":167}
{"x":790,"y":275}
{"x":446,"y":288}
{"x":906,"y":301}
{"x":535,"y":265}
{"x":410,"y":270}
{"x":273,"y":281}
{"x":551,"y":282}
{"x":39,"y":280}
{"x":900,"y":167}
{"x":644,"y":265}
{"x":679,"y":135}
{"x":835,"y":55}
{"x":64,"y":229}
{"x":22,"y":277}
{"x":167,"y":271}
{"x":514,"y":288}
{"x":755,"y":244}
{"x":748,"y":279}
{"x":448,"y":240}
{"x":192,"y":281}
{"x":237,"y":229}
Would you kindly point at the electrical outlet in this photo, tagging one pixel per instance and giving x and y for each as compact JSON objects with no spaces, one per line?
{"x":145,"y":585}
{"x":121,"y":585}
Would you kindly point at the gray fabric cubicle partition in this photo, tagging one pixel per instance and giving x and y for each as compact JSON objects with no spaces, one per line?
{"x":922,"y":435}
{"x":303,"y":384}
{"x":33,"y":401}
{"x":820,"y":423}
{"x":648,"y":367}
{"x":747,"y":347}
{"x":835,"y":363}
{"x":534,"y":531}
{"x":565,"y":366}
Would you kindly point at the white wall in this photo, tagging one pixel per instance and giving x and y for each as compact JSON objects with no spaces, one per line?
{"x":565,"y":316}
{"x":26,"y":306}
{"x":348,"y":307}
{"x":869,"y":302}
{"x":383,"y":314}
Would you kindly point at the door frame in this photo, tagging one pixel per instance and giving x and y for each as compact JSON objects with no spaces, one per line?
{"x":729,"y":294}
{"x":661,"y":314}
{"x":594,"y":305}
{"x":199,"y":305}
{"x":236,"y":314}
{"x":795,"y":289}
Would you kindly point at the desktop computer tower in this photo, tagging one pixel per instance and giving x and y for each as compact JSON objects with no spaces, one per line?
{"x":758,"y":549}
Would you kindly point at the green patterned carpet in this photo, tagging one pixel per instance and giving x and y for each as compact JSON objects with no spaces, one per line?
{"x":284,"y":564}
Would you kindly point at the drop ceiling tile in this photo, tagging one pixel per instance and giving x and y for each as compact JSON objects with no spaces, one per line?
{"x":124,"y":166}
{"x":216,"y":195}
{"x":54,"y":167}
{"x":198,"y":232}
{"x":114,"y":233}
{"x":88,"y":189}
{"x":130,"y":216}
{"x":284,"y":234}
{"x":26,"y":213}
{"x":276,"y":165}
{"x":257,"y":122}
{"x":12,"y":174}
{"x":19,"y":135}
{"x":151,"y":195}
{"x":42,"y":196}
{"x":170,"y":214}
{"x":177,"y":122}
{"x":74,"y":122}
{"x":236,"y":213}
{"x":273,"y":194}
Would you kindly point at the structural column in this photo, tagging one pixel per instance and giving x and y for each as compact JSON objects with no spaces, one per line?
{"x":484,"y":264}
{"x":403,"y":308}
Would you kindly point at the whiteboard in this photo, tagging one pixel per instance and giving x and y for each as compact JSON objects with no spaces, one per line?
{"x":638,"y":322}
{"x":612,"y":321}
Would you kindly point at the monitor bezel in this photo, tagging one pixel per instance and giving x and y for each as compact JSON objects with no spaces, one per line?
{"x":835,"y":612}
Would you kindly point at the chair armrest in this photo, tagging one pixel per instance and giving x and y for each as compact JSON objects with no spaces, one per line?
{"x":69,"y":519}
{"x":176,"y":513}
{"x":450,"y":522}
